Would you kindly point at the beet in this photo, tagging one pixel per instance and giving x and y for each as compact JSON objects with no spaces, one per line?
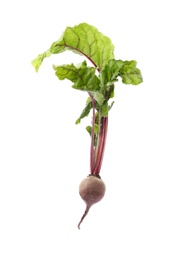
{"x":91,"y":190}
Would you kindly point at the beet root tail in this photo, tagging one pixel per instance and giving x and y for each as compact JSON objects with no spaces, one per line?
{"x":84,"y":215}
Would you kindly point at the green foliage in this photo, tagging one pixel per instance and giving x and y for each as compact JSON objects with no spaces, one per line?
{"x":125,"y":69}
{"x":85,"y":112}
{"x":98,"y":81}
{"x":83,"y":39}
{"x":83,"y":77}
{"x":130,"y":74}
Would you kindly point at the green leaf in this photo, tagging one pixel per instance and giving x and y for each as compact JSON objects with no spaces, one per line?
{"x":108,"y":76}
{"x":83,"y":77}
{"x":85,"y":112}
{"x":38,"y":61}
{"x":89,"y":129}
{"x":130,"y":74}
{"x":112,"y":92}
{"x":104,"y":110}
{"x":98,"y":97}
{"x":125,"y":69}
{"x":83,"y":39}
{"x":110,"y":72}
{"x":88,"y":100}
{"x":115,"y":66}
{"x":109,"y":107}
{"x":105,"y":76}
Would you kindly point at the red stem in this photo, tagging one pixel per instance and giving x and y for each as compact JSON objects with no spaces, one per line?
{"x":92,"y":150}
{"x":101,"y":146}
{"x":99,"y":152}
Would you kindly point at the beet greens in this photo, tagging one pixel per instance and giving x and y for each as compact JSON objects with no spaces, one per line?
{"x":98,"y":81}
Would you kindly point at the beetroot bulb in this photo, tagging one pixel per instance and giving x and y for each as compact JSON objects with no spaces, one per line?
{"x":91,"y":190}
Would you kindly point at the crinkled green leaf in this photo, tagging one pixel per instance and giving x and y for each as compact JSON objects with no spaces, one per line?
{"x":85,"y":112}
{"x":117,"y":68}
{"x":83,"y":39}
{"x":38,"y":61}
{"x":110,"y":72}
{"x":108,"y":76}
{"x":105,"y":76}
{"x":130,"y":74}
{"x":83,"y":77}
{"x":98,"y":97}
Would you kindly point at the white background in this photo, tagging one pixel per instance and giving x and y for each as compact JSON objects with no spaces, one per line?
{"x":44,"y":155}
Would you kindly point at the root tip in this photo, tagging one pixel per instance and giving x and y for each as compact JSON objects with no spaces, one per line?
{"x":85,"y":213}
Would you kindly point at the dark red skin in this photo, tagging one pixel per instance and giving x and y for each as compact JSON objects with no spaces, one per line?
{"x":91,"y":190}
